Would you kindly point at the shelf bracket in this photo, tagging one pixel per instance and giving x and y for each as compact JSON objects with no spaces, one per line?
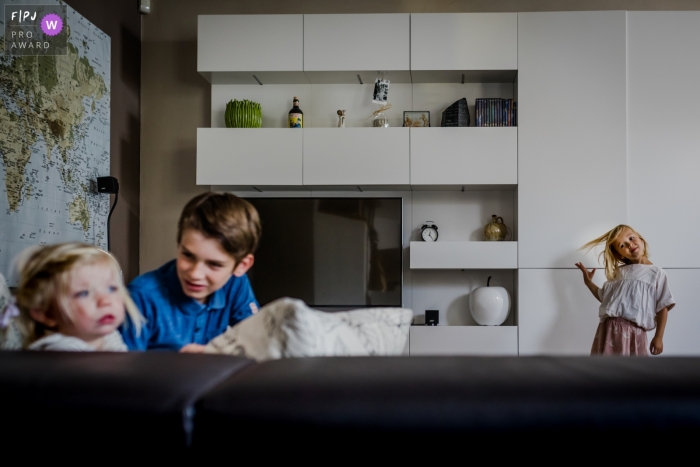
{"x":256,"y":79}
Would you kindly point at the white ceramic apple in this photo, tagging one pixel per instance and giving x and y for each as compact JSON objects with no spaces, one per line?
{"x":489,"y":305}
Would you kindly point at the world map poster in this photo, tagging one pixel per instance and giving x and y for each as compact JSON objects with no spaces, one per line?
{"x":54,"y":129}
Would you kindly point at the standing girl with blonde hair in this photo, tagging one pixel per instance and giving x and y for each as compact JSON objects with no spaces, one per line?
{"x":635,"y":299}
{"x":71,"y":297}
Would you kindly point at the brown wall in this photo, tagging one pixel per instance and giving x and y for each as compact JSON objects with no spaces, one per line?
{"x":121,"y":21}
{"x":176,"y":99}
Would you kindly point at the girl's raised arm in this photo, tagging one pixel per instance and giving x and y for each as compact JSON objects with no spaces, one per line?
{"x":588,"y":280}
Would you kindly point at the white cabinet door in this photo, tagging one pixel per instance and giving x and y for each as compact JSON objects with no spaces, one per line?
{"x":572,"y":173}
{"x":356,"y":43}
{"x":231,"y":48}
{"x":463,"y":340}
{"x":464,"y":156}
{"x":664,"y":142}
{"x":356,"y":156}
{"x":557,"y":314}
{"x":249,"y":156}
{"x":681,"y":335}
{"x":464,"y":41}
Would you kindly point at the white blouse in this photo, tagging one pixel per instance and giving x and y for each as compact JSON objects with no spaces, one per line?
{"x":637,"y":293}
{"x":113,"y":342}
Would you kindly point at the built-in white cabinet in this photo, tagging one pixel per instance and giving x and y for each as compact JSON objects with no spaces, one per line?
{"x":663,"y":69}
{"x":607,"y":134}
{"x":251,"y":49}
{"x":464,"y":156}
{"x":681,"y":334}
{"x":572,"y":133}
{"x":464,"y":47}
{"x":463,"y":340}
{"x":464,"y":255}
{"x":356,"y":156}
{"x":249,"y":156}
{"x":557,"y":314}
{"x":352,"y":48}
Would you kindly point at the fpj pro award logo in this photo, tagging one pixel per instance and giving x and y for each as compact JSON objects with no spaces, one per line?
{"x":36,"y":30}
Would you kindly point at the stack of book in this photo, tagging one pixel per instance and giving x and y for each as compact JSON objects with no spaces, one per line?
{"x":496,"y":112}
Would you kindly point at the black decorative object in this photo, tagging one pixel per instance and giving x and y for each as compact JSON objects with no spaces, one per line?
{"x":432,"y":317}
{"x":457,"y":114}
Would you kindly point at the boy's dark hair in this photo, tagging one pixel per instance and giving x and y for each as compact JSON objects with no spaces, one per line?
{"x":230,"y":220}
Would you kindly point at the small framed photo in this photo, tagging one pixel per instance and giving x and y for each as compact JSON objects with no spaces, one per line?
{"x":416,"y":118}
{"x":380,"y":95}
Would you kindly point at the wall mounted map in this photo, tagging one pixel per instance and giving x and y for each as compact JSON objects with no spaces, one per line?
{"x":54,"y":138}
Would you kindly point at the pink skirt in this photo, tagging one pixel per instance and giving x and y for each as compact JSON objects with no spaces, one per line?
{"x":618,"y":336}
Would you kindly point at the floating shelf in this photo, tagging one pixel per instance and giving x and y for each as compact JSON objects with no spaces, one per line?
{"x":463,"y":340}
{"x":464,"y":255}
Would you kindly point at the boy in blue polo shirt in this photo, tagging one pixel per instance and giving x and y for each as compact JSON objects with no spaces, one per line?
{"x":195,"y":297}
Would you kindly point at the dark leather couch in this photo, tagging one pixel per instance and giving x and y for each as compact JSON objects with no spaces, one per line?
{"x":168,"y":402}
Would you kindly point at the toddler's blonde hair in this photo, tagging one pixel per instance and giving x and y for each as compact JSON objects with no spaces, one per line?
{"x":611,"y":260}
{"x":45,"y":275}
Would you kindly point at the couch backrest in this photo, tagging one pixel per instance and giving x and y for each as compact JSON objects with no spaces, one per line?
{"x":136,"y":399}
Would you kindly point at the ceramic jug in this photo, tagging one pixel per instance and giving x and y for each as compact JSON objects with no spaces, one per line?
{"x":496,"y":229}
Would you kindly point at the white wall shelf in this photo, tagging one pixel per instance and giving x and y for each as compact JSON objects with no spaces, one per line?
{"x":463,"y":340}
{"x":464,"y":156}
{"x":464,"y":255}
{"x":356,"y":156}
{"x":249,"y":156}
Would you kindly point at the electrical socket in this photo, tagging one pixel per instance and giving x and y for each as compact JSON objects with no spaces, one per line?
{"x":145,"y":6}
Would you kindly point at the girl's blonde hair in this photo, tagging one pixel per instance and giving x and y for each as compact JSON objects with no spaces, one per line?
{"x":611,"y":259}
{"x":45,"y":275}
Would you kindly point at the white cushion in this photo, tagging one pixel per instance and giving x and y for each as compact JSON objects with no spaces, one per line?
{"x":288,"y":328}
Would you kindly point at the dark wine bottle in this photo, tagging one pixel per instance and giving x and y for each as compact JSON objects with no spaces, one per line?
{"x":296,"y":116}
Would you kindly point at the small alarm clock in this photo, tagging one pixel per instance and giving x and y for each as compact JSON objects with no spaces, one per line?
{"x":429,"y":232}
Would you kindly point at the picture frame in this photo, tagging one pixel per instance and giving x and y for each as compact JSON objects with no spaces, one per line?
{"x":380,"y":95}
{"x":416,"y":118}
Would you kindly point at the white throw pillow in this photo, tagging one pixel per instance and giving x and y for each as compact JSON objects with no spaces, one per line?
{"x":288,"y":328}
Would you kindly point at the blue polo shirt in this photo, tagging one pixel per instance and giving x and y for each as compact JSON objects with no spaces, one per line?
{"x":174,"y":320}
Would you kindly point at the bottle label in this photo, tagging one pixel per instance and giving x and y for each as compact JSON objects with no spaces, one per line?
{"x":296,"y":120}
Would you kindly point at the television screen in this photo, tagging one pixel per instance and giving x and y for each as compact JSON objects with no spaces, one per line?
{"x":338,"y":253}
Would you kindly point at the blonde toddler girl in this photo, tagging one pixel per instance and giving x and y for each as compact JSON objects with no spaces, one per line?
{"x":71,"y":297}
{"x":635,"y":299}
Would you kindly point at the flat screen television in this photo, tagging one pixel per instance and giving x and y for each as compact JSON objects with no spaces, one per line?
{"x":332,"y":253}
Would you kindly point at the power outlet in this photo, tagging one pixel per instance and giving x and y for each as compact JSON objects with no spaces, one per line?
{"x":145,"y":6}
